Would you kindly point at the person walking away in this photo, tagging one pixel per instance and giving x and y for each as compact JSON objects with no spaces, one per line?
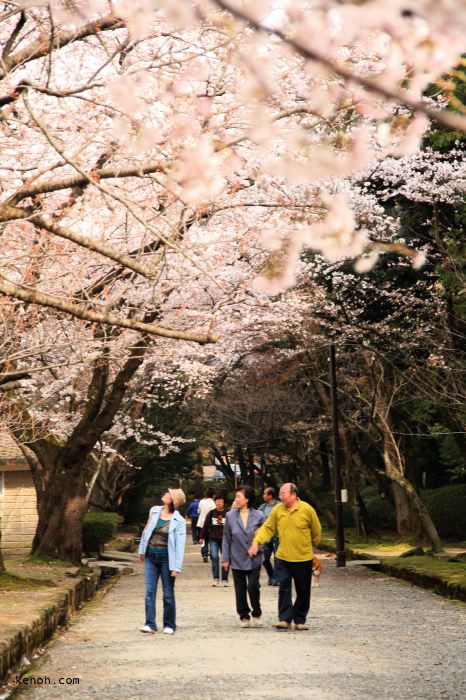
{"x":162,"y":550}
{"x":270,"y":501}
{"x":298,"y":529}
{"x":192,"y":512}
{"x":206,"y":504}
{"x":241,"y":525}
{"x":213,"y":530}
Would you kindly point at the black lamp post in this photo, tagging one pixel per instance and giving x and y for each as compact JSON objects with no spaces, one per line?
{"x":339,"y":534}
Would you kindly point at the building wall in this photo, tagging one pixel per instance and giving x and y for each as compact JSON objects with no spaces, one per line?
{"x":18,"y":512}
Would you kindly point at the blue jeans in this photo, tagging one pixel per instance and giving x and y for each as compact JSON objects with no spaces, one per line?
{"x":155,"y":566}
{"x":215,"y":549}
{"x":205,"y":548}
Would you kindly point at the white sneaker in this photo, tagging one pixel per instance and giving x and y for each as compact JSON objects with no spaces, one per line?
{"x":168,"y":630}
{"x":216,"y":582}
{"x":245,"y":623}
{"x":224,"y":584}
{"x":257,"y":622}
{"x":147,"y":630}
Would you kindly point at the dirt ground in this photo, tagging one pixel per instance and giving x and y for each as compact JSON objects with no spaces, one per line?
{"x":370,"y":637}
{"x":36,"y":587}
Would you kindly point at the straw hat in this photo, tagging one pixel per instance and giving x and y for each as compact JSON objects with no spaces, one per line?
{"x":178,"y":497}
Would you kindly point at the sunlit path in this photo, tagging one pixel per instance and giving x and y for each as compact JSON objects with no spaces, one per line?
{"x":370,"y":637}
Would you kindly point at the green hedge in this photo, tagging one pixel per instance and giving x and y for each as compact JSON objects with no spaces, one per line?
{"x":447,"y":506}
{"x":379,"y":510}
{"x":98,"y":528}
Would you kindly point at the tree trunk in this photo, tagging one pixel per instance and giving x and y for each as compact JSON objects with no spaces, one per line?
{"x":407,"y":521}
{"x":64,"y":492}
{"x":61,"y":514}
{"x":320,"y":507}
{"x":324,"y":461}
{"x":394,"y":468}
{"x":428,"y":527}
{"x":385,"y":391}
{"x":133,"y":499}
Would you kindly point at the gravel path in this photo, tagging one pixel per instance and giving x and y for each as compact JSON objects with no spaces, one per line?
{"x":370,"y":637}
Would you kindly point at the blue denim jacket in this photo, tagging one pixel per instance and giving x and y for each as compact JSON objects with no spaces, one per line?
{"x":176,"y":537}
{"x":237,"y":540}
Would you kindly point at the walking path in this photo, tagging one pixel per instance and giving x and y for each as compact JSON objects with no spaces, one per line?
{"x":371,"y":637}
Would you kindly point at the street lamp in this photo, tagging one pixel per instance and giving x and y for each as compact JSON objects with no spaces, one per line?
{"x":339,"y":533}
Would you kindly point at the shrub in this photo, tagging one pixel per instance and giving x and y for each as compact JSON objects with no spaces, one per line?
{"x":447,"y":507}
{"x":326,"y":498}
{"x":379,"y":510}
{"x":98,"y":528}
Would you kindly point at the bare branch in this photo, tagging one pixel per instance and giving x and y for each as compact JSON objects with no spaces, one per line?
{"x":32,"y":296}
{"x":448,"y":119}
{"x":13,"y":36}
{"x":41,"y":47}
{"x":72,"y":181}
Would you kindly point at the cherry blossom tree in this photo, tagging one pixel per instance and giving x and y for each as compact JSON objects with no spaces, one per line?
{"x":164,"y":165}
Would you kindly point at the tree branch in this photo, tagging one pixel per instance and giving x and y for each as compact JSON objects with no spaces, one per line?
{"x":13,"y":36}
{"x":73,"y":181}
{"x":14,"y":213}
{"x":32,"y":296}
{"x":41,"y":47}
{"x":448,"y":119}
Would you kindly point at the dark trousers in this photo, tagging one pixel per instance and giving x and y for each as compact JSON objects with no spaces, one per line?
{"x":247,"y":582}
{"x":300,"y":572}
{"x":269,"y":549}
{"x":194,"y":529}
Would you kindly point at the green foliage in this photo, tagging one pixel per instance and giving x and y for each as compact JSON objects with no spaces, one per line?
{"x":441,"y":137}
{"x":379,"y":510}
{"x":450,"y":453}
{"x":447,"y":507}
{"x":98,"y":528}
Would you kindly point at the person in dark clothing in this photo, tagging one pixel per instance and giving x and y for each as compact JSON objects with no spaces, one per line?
{"x":213,"y":530}
{"x":270,"y":501}
{"x":192,"y":512}
{"x":206,"y":504}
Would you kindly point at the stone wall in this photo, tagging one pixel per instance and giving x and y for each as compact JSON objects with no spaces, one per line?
{"x":32,"y":635}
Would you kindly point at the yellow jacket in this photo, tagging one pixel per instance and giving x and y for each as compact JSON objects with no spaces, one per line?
{"x":297,"y":529}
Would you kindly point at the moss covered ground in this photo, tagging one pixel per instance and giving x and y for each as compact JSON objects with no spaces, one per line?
{"x":445,"y":576}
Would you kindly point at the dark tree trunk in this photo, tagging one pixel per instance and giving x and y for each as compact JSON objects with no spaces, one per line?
{"x":61,"y":515}
{"x":63,"y":495}
{"x":410,"y":509}
{"x":407,"y":521}
{"x":320,"y":507}
{"x":245,"y":476}
{"x":224,"y":464}
{"x":324,"y":461}
{"x":133,"y":498}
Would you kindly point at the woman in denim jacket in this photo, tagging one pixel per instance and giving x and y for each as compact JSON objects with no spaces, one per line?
{"x":162,"y":550}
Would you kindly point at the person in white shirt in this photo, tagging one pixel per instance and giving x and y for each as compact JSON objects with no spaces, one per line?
{"x":206,"y":504}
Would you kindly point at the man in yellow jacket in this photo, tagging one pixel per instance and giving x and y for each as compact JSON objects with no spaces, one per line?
{"x":298,"y":529}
